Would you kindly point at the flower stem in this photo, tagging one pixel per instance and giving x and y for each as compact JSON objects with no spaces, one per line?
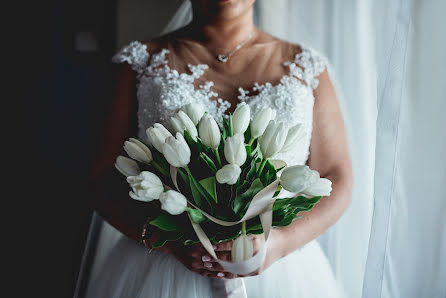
{"x":251,"y":140}
{"x":218,"y":157}
{"x":262,"y":165}
{"x":188,"y":170}
{"x":159,"y":168}
{"x":244,"y":228}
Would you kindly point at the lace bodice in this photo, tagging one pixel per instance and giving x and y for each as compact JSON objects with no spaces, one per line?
{"x":162,"y":91}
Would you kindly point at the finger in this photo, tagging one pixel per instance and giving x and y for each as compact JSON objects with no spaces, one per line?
{"x":224,"y":255}
{"x":257,"y":242}
{"x":221,"y":255}
{"x":223,"y":275}
{"x":249,"y":274}
{"x":224,"y":246}
{"x":206,"y":273}
{"x":198,"y":247}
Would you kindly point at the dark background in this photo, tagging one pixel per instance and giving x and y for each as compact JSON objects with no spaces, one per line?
{"x":62,"y":82}
{"x":65,"y":81}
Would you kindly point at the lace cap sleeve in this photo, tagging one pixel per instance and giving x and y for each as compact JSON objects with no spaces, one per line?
{"x":134,"y":54}
{"x":307,"y":66}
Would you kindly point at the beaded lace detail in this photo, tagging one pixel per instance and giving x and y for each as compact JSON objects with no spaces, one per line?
{"x":161,"y":91}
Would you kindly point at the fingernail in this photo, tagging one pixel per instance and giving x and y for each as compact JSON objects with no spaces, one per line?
{"x":208,"y":265}
{"x":220,"y":274}
{"x":214,"y":247}
{"x":205,"y":258}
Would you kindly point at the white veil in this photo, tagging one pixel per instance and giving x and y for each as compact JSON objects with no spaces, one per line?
{"x":181,"y":18}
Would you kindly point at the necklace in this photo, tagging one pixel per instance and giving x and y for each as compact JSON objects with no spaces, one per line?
{"x":224,"y":57}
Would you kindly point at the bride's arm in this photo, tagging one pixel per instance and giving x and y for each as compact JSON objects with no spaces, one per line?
{"x":108,"y":187}
{"x":330,"y":157}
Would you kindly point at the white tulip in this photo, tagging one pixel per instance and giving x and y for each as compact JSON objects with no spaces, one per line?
{"x":294,"y":135}
{"x":274,"y":114}
{"x":322,"y":188}
{"x":260,"y":121}
{"x":209,"y":132}
{"x":240,"y":118}
{"x":228,"y":174}
{"x":173,"y":202}
{"x":176,"y":151}
{"x":146,"y":187}
{"x":157,"y":135}
{"x":297,"y":178}
{"x":138,"y":151}
{"x":127,"y":166}
{"x":194,"y":111}
{"x":242,"y":249}
{"x":273,"y":138}
{"x":181,"y":122}
{"x":235,"y":152}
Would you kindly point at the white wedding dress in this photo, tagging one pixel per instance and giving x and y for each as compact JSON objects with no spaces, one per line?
{"x":125,"y":269}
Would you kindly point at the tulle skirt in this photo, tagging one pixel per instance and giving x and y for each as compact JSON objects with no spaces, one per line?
{"x":125,"y":269}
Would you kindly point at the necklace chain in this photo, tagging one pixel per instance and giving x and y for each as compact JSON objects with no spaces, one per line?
{"x":224,"y":57}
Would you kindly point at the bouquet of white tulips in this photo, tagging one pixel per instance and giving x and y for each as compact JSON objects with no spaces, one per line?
{"x":227,"y":178}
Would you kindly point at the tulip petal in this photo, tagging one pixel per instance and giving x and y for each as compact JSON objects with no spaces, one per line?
{"x":127,"y":166}
{"x":228,"y":174}
{"x":322,"y":187}
{"x":241,"y":118}
{"x":294,"y":135}
{"x":209,"y":131}
{"x":242,"y":249}
{"x":297,"y":178}
{"x":143,"y":147}
{"x":173,"y":202}
{"x":260,"y":121}
{"x":235,"y":151}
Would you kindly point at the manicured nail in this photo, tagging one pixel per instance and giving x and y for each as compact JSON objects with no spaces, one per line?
{"x":205,"y":258}
{"x":220,"y":274}
{"x":208,"y":265}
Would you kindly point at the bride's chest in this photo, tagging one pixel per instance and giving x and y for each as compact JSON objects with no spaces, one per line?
{"x":161,"y":95}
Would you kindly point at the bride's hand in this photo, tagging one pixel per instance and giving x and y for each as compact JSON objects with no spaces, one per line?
{"x":224,"y":251}
{"x":197,"y":259}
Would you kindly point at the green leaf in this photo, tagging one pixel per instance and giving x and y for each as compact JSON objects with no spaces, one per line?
{"x":224,"y":132}
{"x":196,"y":215}
{"x":210,"y":185}
{"x":248,"y":149}
{"x":242,"y":187}
{"x":242,"y":201}
{"x":195,"y":194}
{"x":195,"y":186}
{"x":164,"y":237}
{"x":183,"y":176}
{"x":190,"y":141}
{"x":165,"y":222}
{"x":247,"y":133}
{"x":230,"y":128}
{"x":252,"y":171}
{"x":160,"y":159}
{"x":300,"y":203}
{"x":208,"y":162}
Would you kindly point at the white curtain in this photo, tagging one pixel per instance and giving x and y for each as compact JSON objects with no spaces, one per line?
{"x":389,"y":61}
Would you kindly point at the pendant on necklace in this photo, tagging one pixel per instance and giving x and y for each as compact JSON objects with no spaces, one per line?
{"x":222,"y":58}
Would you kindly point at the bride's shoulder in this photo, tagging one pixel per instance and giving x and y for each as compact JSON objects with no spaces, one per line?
{"x":305,"y":62}
{"x":293,"y":51}
{"x":138,"y":53}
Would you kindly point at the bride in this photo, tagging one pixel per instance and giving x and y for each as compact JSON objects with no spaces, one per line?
{"x":219,"y":60}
